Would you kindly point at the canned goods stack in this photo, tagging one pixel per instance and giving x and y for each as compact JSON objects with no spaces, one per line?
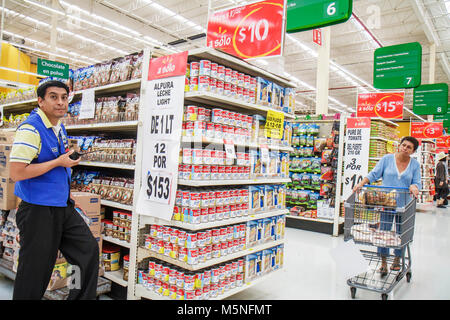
{"x":216,"y":123}
{"x":205,"y":164}
{"x":196,"y":206}
{"x":207,"y":76}
{"x":120,"y":227}
{"x":179,"y":284}
{"x":198,"y":246}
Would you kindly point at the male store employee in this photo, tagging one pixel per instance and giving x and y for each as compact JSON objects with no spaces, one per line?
{"x":46,"y":218}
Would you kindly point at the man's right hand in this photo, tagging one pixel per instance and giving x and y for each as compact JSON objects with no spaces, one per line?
{"x":65,"y":161}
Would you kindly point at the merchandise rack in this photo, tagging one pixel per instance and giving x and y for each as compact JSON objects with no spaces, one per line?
{"x":140,"y":220}
{"x":103,"y":285}
{"x":130,"y":127}
{"x":426,"y":157}
{"x":333,"y":226}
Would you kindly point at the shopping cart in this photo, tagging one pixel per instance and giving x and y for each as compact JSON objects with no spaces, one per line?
{"x":381,"y":217}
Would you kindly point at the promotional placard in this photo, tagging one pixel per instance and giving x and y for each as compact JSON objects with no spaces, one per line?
{"x":426,"y":130}
{"x":430,"y":99}
{"x":274,"y":124}
{"x":87,"y":108}
{"x":250,"y":31}
{"x":306,"y":15}
{"x":163,"y":118}
{"x":388,"y":105}
{"x":443,"y":142}
{"x":356,"y":153}
{"x":398,"y":66}
{"x":317,"y":36}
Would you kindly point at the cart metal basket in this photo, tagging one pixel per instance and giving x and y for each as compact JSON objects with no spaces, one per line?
{"x":381,"y":217}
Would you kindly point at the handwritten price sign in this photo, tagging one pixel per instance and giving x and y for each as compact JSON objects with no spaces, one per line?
{"x":387,"y":105}
{"x":426,"y":130}
{"x":251,"y":31}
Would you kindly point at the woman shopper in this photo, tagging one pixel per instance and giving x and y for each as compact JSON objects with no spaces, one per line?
{"x":396,"y":170}
{"x":440,"y":181}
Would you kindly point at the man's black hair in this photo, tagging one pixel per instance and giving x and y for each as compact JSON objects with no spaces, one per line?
{"x":42,"y":88}
{"x":413,"y":140}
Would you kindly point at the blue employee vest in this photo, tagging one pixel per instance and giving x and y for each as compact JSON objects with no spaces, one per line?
{"x":51,"y":188}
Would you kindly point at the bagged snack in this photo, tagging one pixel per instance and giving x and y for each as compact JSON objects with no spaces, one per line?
{"x":136,"y":72}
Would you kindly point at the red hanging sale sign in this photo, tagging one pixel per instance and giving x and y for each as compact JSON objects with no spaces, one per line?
{"x":168,"y":66}
{"x":250,"y":31}
{"x":426,"y":130}
{"x":387,"y":105}
{"x":358,"y":123}
{"x":317,"y":36}
{"x":443,"y":142}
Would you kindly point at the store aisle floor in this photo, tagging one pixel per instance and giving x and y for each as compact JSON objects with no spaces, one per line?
{"x":310,"y":272}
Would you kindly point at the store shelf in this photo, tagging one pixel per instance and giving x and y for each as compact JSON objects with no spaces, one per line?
{"x":200,"y":226}
{"x":143,"y":292}
{"x":379,"y":138}
{"x":221,"y":142}
{"x":219,"y":101}
{"x":116,"y":205}
{"x":111,"y":126}
{"x":114,"y":87}
{"x":209,"y":183}
{"x":311,"y":219}
{"x":385,"y":121}
{"x":374,"y":158}
{"x":20,"y":105}
{"x":238,"y":64}
{"x":147,"y":253}
{"x":116,"y":277}
{"x":121,"y":243}
{"x":108,"y":165}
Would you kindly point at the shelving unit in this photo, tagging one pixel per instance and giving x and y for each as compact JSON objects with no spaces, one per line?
{"x":333,"y":225}
{"x":138,"y":253}
{"x":129,"y":127}
{"x":426,"y":157}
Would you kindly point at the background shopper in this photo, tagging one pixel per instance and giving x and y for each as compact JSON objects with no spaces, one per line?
{"x":440,"y":181}
{"x":46,"y":217}
{"x":396,"y":170}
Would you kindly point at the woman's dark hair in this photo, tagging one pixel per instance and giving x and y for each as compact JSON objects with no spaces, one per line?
{"x":413,"y":140}
{"x":42,"y":88}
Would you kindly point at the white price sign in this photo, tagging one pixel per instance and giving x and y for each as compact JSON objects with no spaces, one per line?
{"x":229,"y":149}
{"x":356,"y":157}
{"x":159,"y":186}
{"x":264,"y":154}
{"x":87,"y":108}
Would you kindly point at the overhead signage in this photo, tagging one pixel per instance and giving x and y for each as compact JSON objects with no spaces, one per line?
{"x":388,"y":105}
{"x":431,"y":99}
{"x":305,"y":15}
{"x":48,"y":68}
{"x":317,"y":36}
{"x":443,"y":142}
{"x":162,"y":134}
{"x":426,"y":130}
{"x":356,"y":153}
{"x":250,"y":31}
{"x":398,"y":66}
{"x":444,"y":117}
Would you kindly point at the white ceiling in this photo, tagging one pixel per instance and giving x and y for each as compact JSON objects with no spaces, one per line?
{"x":93,"y":31}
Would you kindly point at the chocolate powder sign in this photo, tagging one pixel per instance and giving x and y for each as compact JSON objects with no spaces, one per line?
{"x":163,"y":116}
{"x":356,"y":157}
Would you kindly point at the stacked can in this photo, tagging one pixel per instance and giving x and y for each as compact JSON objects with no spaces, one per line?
{"x":179,"y":284}
{"x":196,"y":247}
{"x":208,"y":76}
{"x":205,"y":123}
{"x":207,"y":205}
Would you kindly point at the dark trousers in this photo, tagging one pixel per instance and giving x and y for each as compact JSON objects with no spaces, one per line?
{"x":44,"y":230}
{"x":441,"y":193}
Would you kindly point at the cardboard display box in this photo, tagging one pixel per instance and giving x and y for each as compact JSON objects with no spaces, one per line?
{"x":5,"y":151}
{"x":7,"y":197}
{"x":7,"y":137}
{"x":88,"y":202}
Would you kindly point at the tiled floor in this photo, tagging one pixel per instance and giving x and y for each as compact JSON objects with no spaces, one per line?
{"x":311,"y":273}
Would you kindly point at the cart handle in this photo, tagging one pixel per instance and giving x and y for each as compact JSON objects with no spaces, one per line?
{"x":383,"y":187}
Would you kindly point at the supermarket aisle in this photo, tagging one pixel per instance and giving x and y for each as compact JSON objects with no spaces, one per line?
{"x":310,"y":272}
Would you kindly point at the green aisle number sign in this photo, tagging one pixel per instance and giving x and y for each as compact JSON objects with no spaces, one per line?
{"x":305,"y":15}
{"x":398,"y":66}
{"x":50,"y":68}
{"x":430,"y":99}
{"x":444,"y":117}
